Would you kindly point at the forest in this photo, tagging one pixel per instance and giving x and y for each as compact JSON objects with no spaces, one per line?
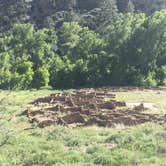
{"x":76,"y":43}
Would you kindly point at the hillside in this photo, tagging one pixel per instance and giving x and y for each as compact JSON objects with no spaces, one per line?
{"x":82,"y":82}
{"x":70,"y":44}
{"x":39,"y":11}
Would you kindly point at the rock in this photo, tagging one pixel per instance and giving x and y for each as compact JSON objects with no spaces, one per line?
{"x":139,"y":107}
{"x":107,"y":105}
{"x":46,"y":123}
{"x":73,"y":118}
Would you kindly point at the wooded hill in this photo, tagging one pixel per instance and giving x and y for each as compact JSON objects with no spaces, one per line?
{"x":44,"y":13}
{"x":80,"y":43}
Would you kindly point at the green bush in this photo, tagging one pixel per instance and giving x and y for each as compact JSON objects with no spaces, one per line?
{"x":40,"y":78}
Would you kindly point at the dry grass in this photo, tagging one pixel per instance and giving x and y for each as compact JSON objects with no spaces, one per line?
{"x":147,"y":96}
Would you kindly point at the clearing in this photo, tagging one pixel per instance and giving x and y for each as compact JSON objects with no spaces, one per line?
{"x":87,"y":107}
{"x":86,"y":127}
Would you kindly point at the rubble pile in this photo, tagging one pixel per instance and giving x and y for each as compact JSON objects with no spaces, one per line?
{"x":86,"y":107}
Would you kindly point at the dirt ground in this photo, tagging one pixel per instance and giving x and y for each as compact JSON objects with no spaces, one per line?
{"x":87,"y":107}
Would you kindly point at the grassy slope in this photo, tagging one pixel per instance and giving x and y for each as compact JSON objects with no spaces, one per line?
{"x":143,"y":145}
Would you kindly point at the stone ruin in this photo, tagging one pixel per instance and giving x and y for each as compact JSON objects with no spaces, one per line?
{"x":86,"y":107}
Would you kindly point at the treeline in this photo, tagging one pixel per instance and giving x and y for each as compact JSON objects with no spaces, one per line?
{"x":52,"y":13}
{"x":131,"y":50}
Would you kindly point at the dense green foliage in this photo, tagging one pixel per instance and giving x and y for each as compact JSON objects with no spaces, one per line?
{"x":81,"y":44}
{"x":53,"y":12}
{"x":82,"y":147}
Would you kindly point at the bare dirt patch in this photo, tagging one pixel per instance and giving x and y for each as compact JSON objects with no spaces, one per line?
{"x":144,"y":105}
{"x":88,"y":107}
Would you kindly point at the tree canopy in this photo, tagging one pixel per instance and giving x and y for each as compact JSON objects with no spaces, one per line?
{"x":81,"y":43}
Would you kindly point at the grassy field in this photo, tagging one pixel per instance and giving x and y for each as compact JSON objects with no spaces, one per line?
{"x":24,"y":144}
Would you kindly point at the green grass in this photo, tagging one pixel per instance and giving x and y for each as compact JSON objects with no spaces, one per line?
{"x":157,"y":97}
{"x":143,"y":145}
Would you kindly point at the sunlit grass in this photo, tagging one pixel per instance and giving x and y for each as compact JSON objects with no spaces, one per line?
{"x":151,"y":96}
{"x":85,"y":146}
